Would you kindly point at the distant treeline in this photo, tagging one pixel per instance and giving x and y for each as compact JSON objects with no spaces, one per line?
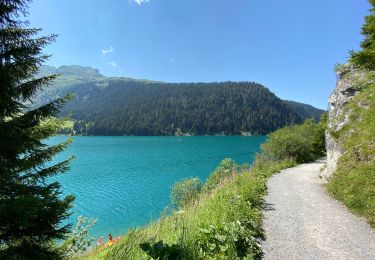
{"x":117,"y":107}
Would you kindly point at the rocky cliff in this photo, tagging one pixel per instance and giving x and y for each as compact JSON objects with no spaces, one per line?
{"x":349,"y":83}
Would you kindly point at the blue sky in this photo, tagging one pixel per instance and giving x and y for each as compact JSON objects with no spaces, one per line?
{"x":289,"y":46}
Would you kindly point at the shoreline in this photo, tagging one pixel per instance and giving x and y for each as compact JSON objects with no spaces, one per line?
{"x":184,"y":135}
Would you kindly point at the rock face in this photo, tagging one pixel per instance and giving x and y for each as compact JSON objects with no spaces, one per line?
{"x":347,"y":86}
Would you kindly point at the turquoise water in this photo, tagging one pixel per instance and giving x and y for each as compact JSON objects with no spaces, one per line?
{"x":125,"y":181}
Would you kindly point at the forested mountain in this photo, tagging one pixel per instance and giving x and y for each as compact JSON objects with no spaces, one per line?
{"x":125,"y":106}
{"x":305,"y":110}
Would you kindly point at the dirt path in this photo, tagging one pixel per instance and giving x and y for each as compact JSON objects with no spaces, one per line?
{"x":303,"y":222}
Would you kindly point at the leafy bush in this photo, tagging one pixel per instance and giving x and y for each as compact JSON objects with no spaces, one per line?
{"x":185,"y":191}
{"x":224,"y":241}
{"x":304,"y":143}
{"x":226,"y":168}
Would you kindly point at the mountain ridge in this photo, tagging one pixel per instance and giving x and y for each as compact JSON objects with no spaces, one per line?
{"x":127,"y":106}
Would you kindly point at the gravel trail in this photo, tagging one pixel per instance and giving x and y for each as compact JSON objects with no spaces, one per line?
{"x":303,"y":222}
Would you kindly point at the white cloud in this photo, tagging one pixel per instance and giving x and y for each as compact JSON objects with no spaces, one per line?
{"x":112,"y":63}
{"x":172,"y":60}
{"x":139,"y":2}
{"x":106,"y":51}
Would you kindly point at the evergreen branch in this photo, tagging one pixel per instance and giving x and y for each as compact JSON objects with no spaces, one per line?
{"x":35,"y":117}
{"x":39,"y":157}
{"x":60,"y":167}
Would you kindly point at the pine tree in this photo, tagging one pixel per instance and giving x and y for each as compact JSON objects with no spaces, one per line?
{"x":365,"y":58}
{"x":31,"y":207}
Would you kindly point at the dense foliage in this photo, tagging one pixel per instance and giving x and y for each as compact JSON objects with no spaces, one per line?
{"x":304,"y":143}
{"x":118,"y":107}
{"x":31,"y":206}
{"x":365,"y":58}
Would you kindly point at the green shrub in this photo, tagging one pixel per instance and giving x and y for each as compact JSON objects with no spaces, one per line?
{"x":304,"y":143}
{"x":226,"y":168}
{"x":227,"y":241}
{"x":185,"y":191}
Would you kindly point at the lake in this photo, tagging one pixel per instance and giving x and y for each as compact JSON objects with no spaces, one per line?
{"x":125,"y":181}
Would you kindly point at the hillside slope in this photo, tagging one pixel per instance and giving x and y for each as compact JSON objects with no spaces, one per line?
{"x":117,"y":107}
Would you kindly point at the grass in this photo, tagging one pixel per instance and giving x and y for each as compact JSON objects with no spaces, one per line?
{"x":353,"y":183}
{"x":224,"y":222}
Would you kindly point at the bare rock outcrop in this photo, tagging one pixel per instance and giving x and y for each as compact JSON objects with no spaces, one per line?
{"x":349,"y":81}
